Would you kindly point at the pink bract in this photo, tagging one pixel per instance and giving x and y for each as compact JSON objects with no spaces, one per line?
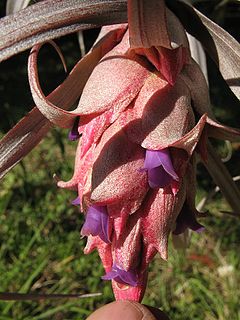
{"x":140,"y":103}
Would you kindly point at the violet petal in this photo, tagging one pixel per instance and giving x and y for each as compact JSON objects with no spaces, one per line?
{"x":76,"y":202}
{"x":110,"y":275}
{"x":158,"y":163}
{"x":156,"y":158}
{"x":96,"y":223}
{"x":197,"y":227}
{"x":74,"y":134}
{"x":158,"y":178}
{"x":121,"y":276}
{"x":152,"y":160}
{"x":165,"y":157}
{"x":186,"y":219}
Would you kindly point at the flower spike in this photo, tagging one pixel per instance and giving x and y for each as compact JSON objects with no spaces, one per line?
{"x":145,"y":115}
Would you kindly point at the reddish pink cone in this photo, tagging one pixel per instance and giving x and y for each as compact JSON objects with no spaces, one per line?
{"x":140,"y":100}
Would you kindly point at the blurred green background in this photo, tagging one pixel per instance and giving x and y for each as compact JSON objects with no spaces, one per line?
{"x":41,"y":249}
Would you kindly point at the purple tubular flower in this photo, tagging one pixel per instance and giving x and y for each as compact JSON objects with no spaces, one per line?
{"x":186,"y":219}
{"x":158,"y":163}
{"x":76,"y":202}
{"x":121,"y":276}
{"x":96,"y":223}
{"x":73,"y":134}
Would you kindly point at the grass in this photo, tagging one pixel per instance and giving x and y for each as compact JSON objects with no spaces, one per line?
{"x":41,"y":251}
{"x":41,"y":247}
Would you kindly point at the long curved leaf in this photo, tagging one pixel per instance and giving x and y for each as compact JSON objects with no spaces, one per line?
{"x":22,"y":30}
{"x":148,"y":24}
{"x":52,"y":112}
{"x":22,"y":139}
{"x":13,"y":6}
{"x":218,"y":43}
{"x":198,"y":54}
{"x":32,"y":128}
{"x":51,"y":19}
{"x":222,"y":178}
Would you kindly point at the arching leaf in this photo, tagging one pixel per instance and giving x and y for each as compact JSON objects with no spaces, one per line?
{"x":31,"y":129}
{"x":13,"y":6}
{"x":25,"y":28}
{"x":148,"y":23}
{"x":222,"y":178}
{"x":218,"y":43}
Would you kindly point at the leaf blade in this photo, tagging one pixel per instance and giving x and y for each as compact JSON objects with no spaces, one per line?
{"x":218,"y":43}
{"x":13,"y":6}
{"x":222,"y":178}
{"x":25,"y":28}
{"x":21,"y":139}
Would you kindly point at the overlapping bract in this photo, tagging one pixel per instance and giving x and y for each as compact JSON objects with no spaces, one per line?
{"x":141,"y":124}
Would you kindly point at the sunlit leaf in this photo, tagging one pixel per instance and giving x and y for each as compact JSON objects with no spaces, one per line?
{"x":218,"y":43}
{"x":148,"y":23}
{"x":20,"y":140}
{"x":25,"y":28}
{"x":223,"y":179}
{"x":51,"y":111}
{"x":13,"y":6}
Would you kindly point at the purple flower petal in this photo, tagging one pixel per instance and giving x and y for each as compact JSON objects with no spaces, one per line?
{"x":73,"y":134}
{"x":152,"y":160}
{"x":158,"y":163}
{"x":158,"y":178}
{"x":110,"y":275}
{"x":96,"y":223}
{"x":76,"y":202}
{"x":121,"y":276}
{"x":199,"y":229}
{"x":186,"y":219}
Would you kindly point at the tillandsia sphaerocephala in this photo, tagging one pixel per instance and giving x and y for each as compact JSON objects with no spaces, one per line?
{"x":144,"y":116}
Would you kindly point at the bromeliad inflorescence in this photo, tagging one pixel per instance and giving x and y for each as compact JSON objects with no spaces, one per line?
{"x":143,"y":117}
{"x":142,"y":120}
